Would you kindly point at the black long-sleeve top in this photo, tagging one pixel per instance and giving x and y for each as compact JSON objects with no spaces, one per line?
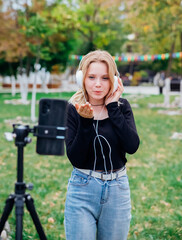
{"x":118,"y":136}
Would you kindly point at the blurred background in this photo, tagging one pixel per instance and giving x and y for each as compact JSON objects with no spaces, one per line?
{"x":144,"y":37}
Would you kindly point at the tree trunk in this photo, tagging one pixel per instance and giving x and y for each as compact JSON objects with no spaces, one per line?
{"x":181,"y":50}
{"x":13,"y":86}
{"x":131,"y":66}
{"x":168,"y":72}
{"x":33,"y":102}
{"x":21,"y":66}
{"x":13,"y":83}
{"x":28,"y":65}
{"x":23,"y":80}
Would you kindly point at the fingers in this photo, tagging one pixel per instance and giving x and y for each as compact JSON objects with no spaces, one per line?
{"x":85,"y":110}
{"x":76,"y":106}
{"x":120,"y":82}
{"x":120,"y":85}
{"x":114,"y":97}
{"x":86,"y":107}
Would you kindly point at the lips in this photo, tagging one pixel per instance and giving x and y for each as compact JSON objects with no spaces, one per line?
{"x":97,"y":92}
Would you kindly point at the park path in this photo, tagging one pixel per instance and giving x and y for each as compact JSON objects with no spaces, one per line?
{"x":67,"y":86}
{"x":154,"y":90}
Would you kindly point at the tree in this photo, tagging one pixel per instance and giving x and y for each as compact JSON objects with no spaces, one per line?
{"x":16,"y":25}
{"x":36,"y":31}
{"x":100,"y":25}
{"x":63,"y":41}
{"x":157,"y":26}
{"x":13,"y":46}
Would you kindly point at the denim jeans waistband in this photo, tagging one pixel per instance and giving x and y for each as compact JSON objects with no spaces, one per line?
{"x":104,"y":176}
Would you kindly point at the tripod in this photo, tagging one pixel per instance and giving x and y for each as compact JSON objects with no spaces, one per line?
{"x":19,"y":197}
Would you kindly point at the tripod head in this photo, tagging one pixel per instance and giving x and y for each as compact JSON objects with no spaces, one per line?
{"x":20,"y":133}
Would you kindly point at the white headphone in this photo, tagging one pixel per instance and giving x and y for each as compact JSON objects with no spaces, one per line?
{"x":79,"y":80}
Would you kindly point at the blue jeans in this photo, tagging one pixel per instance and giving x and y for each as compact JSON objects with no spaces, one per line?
{"x":96,"y":209}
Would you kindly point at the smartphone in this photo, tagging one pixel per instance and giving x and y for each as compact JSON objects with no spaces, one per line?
{"x":51,"y":127}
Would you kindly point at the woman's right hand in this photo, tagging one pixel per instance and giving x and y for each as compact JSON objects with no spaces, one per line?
{"x":85,"y":110}
{"x":114,"y":97}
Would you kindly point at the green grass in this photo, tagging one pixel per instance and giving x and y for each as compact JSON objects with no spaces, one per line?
{"x":154,"y":174}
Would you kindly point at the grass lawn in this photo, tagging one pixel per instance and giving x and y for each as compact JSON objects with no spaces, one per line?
{"x":155,"y":174}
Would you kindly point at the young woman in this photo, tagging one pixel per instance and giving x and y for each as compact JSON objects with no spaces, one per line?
{"x":101,"y":130}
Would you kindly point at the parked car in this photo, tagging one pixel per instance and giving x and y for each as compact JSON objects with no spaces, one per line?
{"x":126,"y":81}
{"x":175,"y":84}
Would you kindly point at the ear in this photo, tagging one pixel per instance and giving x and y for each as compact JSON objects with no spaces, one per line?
{"x":79,"y":78}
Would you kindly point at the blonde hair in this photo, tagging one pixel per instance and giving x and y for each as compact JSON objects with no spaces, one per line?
{"x":81,"y":96}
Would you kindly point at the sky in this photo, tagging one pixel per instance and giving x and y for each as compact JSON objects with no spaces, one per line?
{"x":17,"y":4}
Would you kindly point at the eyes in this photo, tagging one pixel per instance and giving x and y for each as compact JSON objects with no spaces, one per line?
{"x":91,"y":77}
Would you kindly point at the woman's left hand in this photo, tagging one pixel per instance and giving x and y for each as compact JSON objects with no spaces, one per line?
{"x":114,"y":97}
{"x":85,"y":110}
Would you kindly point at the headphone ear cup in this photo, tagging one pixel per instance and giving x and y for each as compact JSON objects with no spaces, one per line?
{"x":79,"y":78}
{"x":115,"y":83}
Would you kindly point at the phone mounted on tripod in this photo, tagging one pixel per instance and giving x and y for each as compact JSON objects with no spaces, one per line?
{"x":51,"y":127}
{"x":50,"y":133}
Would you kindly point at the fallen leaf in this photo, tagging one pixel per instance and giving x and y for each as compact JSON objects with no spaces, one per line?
{"x":165,"y":203}
{"x":51,"y":220}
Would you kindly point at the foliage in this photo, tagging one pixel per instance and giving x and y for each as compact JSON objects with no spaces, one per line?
{"x":155,"y":23}
{"x":51,"y":31}
{"x":63,"y":41}
{"x":100,"y":26}
{"x":154,"y":173}
{"x":12,"y":43}
{"x":38,"y":32}
{"x":157,"y":26}
{"x":136,"y":78}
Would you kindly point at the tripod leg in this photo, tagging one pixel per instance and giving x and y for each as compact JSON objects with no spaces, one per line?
{"x":19,"y":205}
{"x":7,"y":210}
{"x":31,"y":208}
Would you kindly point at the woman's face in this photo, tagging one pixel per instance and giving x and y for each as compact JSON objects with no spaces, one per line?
{"x":97,"y":82}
